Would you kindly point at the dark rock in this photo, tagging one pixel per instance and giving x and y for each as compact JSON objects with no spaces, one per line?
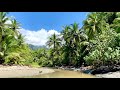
{"x":40,"y":71}
{"x":105,"y":69}
{"x":56,"y":67}
{"x":87,"y":71}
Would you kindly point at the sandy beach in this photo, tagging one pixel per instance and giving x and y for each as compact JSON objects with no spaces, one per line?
{"x":109,"y":75}
{"x":24,"y":71}
{"x":21,"y":71}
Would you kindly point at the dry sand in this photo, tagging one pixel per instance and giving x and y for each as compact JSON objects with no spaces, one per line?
{"x":109,"y":75}
{"x":21,"y":71}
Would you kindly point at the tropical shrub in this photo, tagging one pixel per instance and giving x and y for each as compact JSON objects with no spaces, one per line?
{"x":14,"y":58}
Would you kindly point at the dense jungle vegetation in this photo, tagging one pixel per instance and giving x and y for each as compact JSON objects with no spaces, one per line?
{"x":97,"y":43}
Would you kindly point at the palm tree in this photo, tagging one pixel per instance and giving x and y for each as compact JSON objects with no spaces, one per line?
{"x":54,"y":42}
{"x":15,"y":26}
{"x":3,"y":20}
{"x":75,"y":46}
{"x":66,"y":46}
{"x":92,"y":24}
{"x":8,"y":45}
{"x":8,"y":42}
{"x":11,"y":42}
{"x":71,"y":37}
{"x":116,"y":23}
{"x":80,"y":44}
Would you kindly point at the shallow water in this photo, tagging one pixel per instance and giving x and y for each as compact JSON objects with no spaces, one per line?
{"x":63,"y":74}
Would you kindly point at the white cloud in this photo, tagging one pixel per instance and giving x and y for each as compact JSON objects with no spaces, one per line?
{"x":39,"y":37}
{"x":8,"y":22}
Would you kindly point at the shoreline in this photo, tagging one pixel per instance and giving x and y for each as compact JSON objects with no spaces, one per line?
{"x":102,"y":72}
{"x":17,"y":71}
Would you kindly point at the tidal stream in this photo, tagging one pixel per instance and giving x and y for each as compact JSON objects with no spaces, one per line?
{"x":63,"y":74}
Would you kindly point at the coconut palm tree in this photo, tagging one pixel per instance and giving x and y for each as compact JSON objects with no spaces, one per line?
{"x":75,"y":46}
{"x":54,"y":43}
{"x":72,"y":40}
{"x":8,"y":42}
{"x":92,"y":24}
{"x":15,"y":26}
{"x":116,"y":23}
{"x":3,"y":20}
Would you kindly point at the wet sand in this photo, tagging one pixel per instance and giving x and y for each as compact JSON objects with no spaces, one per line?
{"x":63,"y":74}
{"x":42,"y":72}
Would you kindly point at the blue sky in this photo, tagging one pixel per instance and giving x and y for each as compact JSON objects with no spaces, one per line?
{"x":48,"y":20}
{"x":36,"y":27}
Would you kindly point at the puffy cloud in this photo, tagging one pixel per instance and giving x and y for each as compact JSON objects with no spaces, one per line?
{"x":8,"y":22}
{"x":39,"y":37}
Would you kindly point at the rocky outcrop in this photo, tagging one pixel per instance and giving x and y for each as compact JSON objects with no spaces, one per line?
{"x":105,"y":69}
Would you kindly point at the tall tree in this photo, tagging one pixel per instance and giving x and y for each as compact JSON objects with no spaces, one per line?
{"x":92,"y":25}
{"x":54,"y":42}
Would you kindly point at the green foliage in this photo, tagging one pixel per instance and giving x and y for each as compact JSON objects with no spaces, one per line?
{"x":96,"y":43}
{"x":13,"y":50}
{"x":105,"y":51}
{"x":14,"y":58}
{"x":34,"y":64}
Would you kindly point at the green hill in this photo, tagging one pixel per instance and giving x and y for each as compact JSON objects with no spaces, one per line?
{"x":34,"y":47}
